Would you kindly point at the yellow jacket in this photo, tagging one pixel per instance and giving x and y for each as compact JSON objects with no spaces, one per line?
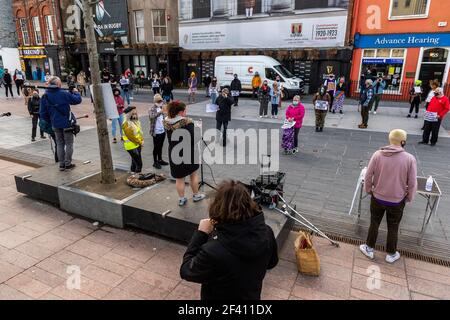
{"x":256,"y":82}
{"x":132,"y":135}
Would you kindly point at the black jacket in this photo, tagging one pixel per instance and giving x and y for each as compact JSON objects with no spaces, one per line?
{"x":207,"y":81}
{"x":166,"y":88}
{"x":224,"y":112}
{"x":33,"y":105}
{"x":232,"y":262}
{"x":236,"y":85}
{"x":7,"y":78}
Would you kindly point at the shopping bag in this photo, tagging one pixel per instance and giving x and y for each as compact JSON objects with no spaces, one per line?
{"x":308,"y":262}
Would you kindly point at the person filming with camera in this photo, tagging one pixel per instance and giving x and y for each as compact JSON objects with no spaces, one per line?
{"x":55,"y":109}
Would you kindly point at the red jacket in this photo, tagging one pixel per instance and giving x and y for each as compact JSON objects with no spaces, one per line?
{"x":119,"y":104}
{"x":439,"y":105}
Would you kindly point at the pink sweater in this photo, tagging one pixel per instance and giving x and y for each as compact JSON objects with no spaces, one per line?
{"x":298,"y":113}
{"x":392,"y":175}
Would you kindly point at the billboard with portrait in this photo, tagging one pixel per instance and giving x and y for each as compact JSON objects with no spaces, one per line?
{"x":254,"y":24}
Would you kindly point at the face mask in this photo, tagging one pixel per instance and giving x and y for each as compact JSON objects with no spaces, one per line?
{"x":295,"y":102}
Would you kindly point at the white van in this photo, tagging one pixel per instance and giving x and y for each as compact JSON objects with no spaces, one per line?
{"x":247,"y":66}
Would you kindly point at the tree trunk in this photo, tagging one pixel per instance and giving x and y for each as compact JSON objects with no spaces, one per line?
{"x":102,"y":127}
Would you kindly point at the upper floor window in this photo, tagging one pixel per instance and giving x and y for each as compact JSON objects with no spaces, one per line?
{"x":37,"y":30}
{"x":408,"y":9}
{"x":50,"y":31}
{"x":159,"y":26}
{"x":139,"y":26}
{"x":24,"y":30}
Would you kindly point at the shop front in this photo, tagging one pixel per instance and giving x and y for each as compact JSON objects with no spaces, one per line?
{"x":401,"y":59}
{"x":35,"y":62}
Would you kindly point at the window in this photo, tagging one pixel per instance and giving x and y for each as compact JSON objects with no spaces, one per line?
{"x":50,"y":32}
{"x":37,"y":30}
{"x":140,"y":65}
{"x":386,"y":63}
{"x":24,"y":30}
{"x":407,"y":9}
{"x":370,"y":53}
{"x":271,"y":74}
{"x":139,"y":26}
{"x":159,"y":26}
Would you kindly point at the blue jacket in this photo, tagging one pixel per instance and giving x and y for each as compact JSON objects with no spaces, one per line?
{"x":61,"y":99}
{"x":378,"y":87}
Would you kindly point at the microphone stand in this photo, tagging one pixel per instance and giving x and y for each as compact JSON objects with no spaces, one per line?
{"x":202,"y":182}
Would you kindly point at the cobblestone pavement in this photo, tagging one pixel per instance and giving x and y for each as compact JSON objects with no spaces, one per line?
{"x":39,"y":242}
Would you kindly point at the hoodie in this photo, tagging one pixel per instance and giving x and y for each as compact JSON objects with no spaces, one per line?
{"x":232,"y":262}
{"x":392,"y":175}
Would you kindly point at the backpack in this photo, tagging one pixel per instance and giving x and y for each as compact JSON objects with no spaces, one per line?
{"x":46,"y":127}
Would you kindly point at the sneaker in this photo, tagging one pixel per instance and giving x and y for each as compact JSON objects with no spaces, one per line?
{"x":374,"y":112}
{"x":367,"y":251}
{"x":416,"y":116}
{"x":198,"y":197}
{"x":62,"y":168}
{"x":409,"y":116}
{"x":163,"y":163}
{"x":70,"y":166}
{"x":43,"y":137}
{"x":33,"y":139}
{"x":157,"y":165}
{"x":341,"y":112}
{"x":317,"y":129}
{"x":392,"y":258}
{"x":182,"y":202}
{"x":432,"y":144}
{"x":334,"y":111}
{"x":321,"y":129}
{"x":421,"y":142}
{"x":114,"y":140}
{"x":260,"y":116}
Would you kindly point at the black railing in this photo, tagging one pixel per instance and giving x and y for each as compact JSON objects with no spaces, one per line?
{"x":399,"y":92}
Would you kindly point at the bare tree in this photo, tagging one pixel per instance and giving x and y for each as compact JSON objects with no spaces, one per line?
{"x":102,"y":127}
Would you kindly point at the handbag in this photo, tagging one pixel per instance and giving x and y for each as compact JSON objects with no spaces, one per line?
{"x":306,"y":255}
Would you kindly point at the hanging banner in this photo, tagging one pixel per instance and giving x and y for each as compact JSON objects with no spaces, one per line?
{"x":231,"y":24}
{"x":279,"y":33}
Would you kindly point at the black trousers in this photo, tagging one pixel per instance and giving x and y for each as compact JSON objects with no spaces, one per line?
{"x":393,"y":217}
{"x":431,"y":128}
{"x":158,"y":142}
{"x":8,"y":87}
{"x":415,"y":105}
{"x":19,"y":86}
{"x":255,"y":93}
{"x":136,"y":160}
{"x":236,"y":100}
{"x":365,"y":114}
{"x":296,"y":132}
{"x":219,"y":125}
{"x":34,"y":121}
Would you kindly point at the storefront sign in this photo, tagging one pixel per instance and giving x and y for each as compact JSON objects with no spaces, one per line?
{"x":273,"y":32}
{"x":32,"y":52}
{"x":382,"y":61}
{"x":404,"y":40}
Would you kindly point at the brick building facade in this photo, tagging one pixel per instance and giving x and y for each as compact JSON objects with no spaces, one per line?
{"x":41,"y":42}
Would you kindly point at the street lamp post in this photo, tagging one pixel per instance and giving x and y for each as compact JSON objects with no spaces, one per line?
{"x":107,"y":174}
